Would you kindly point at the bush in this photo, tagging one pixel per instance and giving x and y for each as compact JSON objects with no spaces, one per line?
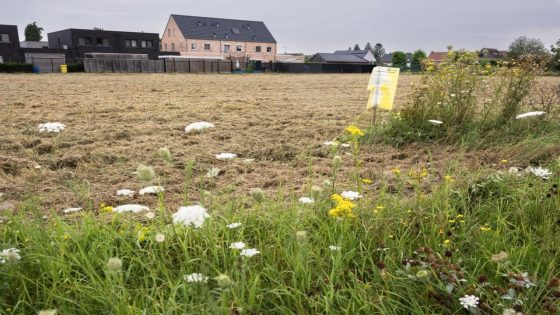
{"x":12,"y":67}
{"x":75,"y":67}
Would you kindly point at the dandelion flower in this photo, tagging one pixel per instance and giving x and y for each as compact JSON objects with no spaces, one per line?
{"x":191,"y":216}
{"x":51,"y":127}
{"x":435,"y":122}
{"x":70,"y":210}
{"x":213,"y":172}
{"x":226,"y":156}
{"x":233,"y":225}
{"x":237,"y":245}
{"x":335,"y":248}
{"x":306,"y":200}
{"x":196,"y":278}
{"x":469,"y":301}
{"x":351,"y":195}
{"x":198,"y":126}
{"x":530,"y":114}
{"x":114,"y":264}
{"x":447,"y":242}
{"x":125,"y":192}
{"x":249,"y":252}
{"x":355,"y":131}
{"x":539,"y":172}
{"x":130,"y":208}
{"x":160,"y":237}
{"x":10,"y":255}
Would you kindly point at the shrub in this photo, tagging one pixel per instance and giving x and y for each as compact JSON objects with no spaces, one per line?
{"x":75,"y":67}
{"x":12,"y":67}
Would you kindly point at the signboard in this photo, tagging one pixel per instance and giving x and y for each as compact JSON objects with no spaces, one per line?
{"x":382,"y":86}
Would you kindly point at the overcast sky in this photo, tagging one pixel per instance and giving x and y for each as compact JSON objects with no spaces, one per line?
{"x":317,"y":26}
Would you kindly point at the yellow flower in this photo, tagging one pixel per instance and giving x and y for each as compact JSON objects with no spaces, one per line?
{"x":459,"y":216}
{"x":451,"y":221}
{"x":396,"y":171}
{"x":448,"y":178}
{"x":504,"y":161}
{"x":104,"y":208}
{"x":378,"y":208}
{"x":355,"y":131}
{"x":485,"y":228}
{"x":366,"y":181}
{"x":66,"y":236}
{"x":447,"y":242}
{"x":343,"y":207}
{"x":424,"y":172}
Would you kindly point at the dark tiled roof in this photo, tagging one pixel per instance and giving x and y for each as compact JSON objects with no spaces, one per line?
{"x":490,"y":53}
{"x":328,"y":57}
{"x":359,"y":53}
{"x":197,"y":27}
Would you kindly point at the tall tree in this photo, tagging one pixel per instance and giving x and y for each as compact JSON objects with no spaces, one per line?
{"x":399,"y":59}
{"x":378,"y":53}
{"x":357,"y":47}
{"x":368,"y":47}
{"x":524,"y":46}
{"x":33,"y":32}
{"x":417,"y":57}
{"x":555,"y":59}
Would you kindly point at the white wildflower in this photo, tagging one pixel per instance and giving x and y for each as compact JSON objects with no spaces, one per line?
{"x":469,"y":301}
{"x":125,"y":192}
{"x":226,"y":156}
{"x":233,"y":225}
{"x":51,"y":127}
{"x":237,"y":245}
{"x":213,"y":172}
{"x":529,"y":114}
{"x":435,"y":122}
{"x":191,"y":216}
{"x":306,"y":200}
{"x":160,"y":237}
{"x":196,"y":278}
{"x":151,"y":190}
{"x":539,"y":172}
{"x":10,"y":255}
{"x":130,"y":208}
{"x":249,"y":252}
{"x":335,"y":248}
{"x":70,"y":210}
{"x":350,"y":195}
{"x":197,"y":126}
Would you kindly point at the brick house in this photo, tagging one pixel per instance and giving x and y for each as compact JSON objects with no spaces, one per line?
{"x":215,"y":38}
{"x":438,"y":56}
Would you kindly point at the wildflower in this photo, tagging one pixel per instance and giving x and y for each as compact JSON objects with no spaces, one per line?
{"x":451,"y":221}
{"x":233,"y":225}
{"x":335,"y":248}
{"x":306,"y":200}
{"x":504,"y":161}
{"x":145,"y":173}
{"x":485,"y":228}
{"x":196,"y":278}
{"x":396,"y":171}
{"x":449,"y":178}
{"x":130,"y":208}
{"x":141,"y":232}
{"x":151,"y":190}
{"x":366,"y":181}
{"x":198,"y":126}
{"x":114,"y":264}
{"x":191,"y":216}
{"x":530,"y":114}
{"x":237,"y":245}
{"x":424,"y":172}
{"x":337,"y":161}
{"x":257,"y":194}
{"x":226,"y":156}
{"x":343,"y":207}
{"x":435,"y":122}
{"x":213,"y":172}
{"x":160,"y":237}
{"x":10,"y":255}
{"x":354,"y":131}
{"x":150,"y":215}
{"x":125,"y":192}
{"x":351,"y":195}
{"x":66,"y":236}
{"x":301,"y":237}
{"x":51,"y":127}
{"x":500,"y":256}
{"x":249,"y":252}
{"x":447,"y":242}
{"x":47,"y":312}
{"x":70,"y":210}
{"x":378,"y":208}
{"x":539,"y":172}
{"x":165,"y":154}
{"x":223,"y":281}
{"x":469,"y":301}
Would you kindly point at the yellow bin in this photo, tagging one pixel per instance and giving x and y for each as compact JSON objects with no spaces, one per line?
{"x":63,"y":69}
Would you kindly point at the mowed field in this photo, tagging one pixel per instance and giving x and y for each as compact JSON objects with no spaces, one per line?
{"x":115,"y":122}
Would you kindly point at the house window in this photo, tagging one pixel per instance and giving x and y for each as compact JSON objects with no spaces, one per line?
{"x":1,"y":59}
{"x":206,"y":46}
{"x":4,"y":38}
{"x":165,"y":46}
{"x":168,"y":32}
{"x":172,"y":46}
{"x":84,"y":41}
{"x":194,"y":46}
{"x":226,"y":48}
{"x":131,"y":43}
{"x":147,"y":43}
{"x":239,"y":48}
{"x":258,"y":49}
{"x":174,"y":32}
{"x":105,"y":42}
{"x":268,"y":49}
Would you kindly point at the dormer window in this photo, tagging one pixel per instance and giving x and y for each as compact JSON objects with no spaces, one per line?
{"x":214,"y":35}
{"x":227,"y":36}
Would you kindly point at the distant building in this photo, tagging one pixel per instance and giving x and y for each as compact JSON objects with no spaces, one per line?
{"x":291,"y":58}
{"x":80,"y":42}
{"x":337,"y":58}
{"x":364,"y":54}
{"x":34,"y":44}
{"x":387,"y":59}
{"x":491,"y":55}
{"x":216,"y":38}
{"x":438,"y":56}
{"x":9,"y":44}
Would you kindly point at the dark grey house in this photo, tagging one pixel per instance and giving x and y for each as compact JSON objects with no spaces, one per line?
{"x":9,"y":44}
{"x":337,"y":58}
{"x":364,"y":54}
{"x":79,"y":42}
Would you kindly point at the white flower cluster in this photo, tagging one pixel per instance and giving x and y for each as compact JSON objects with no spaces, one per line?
{"x":191,"y":216}
{"x":10,"y":255}
{"x":130,"y":208}
{"x":351,"y":195}
{"x":51,"y":127}
{"x":196,"y":278}
{"x":469,"y":301}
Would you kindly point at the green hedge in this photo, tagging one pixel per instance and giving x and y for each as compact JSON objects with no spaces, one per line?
{"x":12,"y":67}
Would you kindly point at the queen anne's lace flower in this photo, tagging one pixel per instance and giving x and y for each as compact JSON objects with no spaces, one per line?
{"x":233,"y":225}
{"x":351,"y":195}
{"x":237,"y":245}
{"x":469,"y":301}
{"x":540,"y":172}
{"x":130,"y":208}
{"x":249,"y":252}
{"x":306,"y":200}
{"x":191,"y":216}
{"x":10,"y":255}
{"x":196,"y":277}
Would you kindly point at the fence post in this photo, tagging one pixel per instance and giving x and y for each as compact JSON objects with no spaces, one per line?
{"x":52,"y":66}
{"x":204,"y":65}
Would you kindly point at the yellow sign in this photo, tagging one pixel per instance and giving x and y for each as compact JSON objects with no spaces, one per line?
{"x":382,"y":86}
